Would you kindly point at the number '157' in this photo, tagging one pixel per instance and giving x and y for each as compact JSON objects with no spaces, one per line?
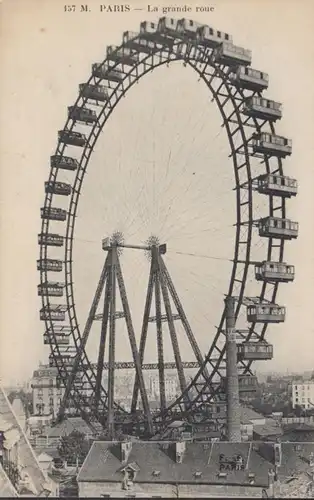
{"x":69,"y":8}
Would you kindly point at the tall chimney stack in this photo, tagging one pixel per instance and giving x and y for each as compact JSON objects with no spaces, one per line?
{"x":233,"y":402}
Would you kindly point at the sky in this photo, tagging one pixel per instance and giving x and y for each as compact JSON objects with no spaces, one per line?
{"x":163,"y":147}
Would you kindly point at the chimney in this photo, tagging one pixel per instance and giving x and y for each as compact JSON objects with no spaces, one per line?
{"x":180,"y":449}
{"x":233,"y":403}
{"x":126,"y":447}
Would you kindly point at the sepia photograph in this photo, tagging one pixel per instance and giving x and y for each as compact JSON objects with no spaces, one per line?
{"x":157,"y":249}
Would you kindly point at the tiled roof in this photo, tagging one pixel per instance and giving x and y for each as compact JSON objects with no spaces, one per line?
{"x":103,"y":463}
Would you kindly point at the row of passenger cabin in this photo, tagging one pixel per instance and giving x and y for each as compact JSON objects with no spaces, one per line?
{"x":274,"y":272}
{"x":50,"y":239}
{"x":123,"y":55}
{"x":259,"y":107}
{"x":53,"y":312}
{"x":249,"y":78}
{"x":250,"y":351}
{"x":52,"y":213}
{"x":105,"y":72}
{"x":277,"y":185}
{"x":56,"y":187}
{"x":82,"y":114}
{"x":266,"y":313}
{"x":203,"y":34}
{"x":72,"y":138}
{"x":272,"y":145}
{"x":51,"y":289}
{"x":63,"y":162}
{"x":275,"y":227}
{"x":98,"y":93}
{"x":54,"y":265}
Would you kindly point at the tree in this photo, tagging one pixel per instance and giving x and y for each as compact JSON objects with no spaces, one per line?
{"x":74,"y":447}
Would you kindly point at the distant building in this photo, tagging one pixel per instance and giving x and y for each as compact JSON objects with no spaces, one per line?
{"x":171,"y":387}
{"x":46,"y":390}
{"x":303,"y":394}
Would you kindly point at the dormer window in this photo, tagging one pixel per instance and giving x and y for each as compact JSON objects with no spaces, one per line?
{"x":197,"y":474}
{"x":156,"y":473}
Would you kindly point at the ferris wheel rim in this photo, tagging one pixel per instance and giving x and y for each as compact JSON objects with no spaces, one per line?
{"x":69,"y":234}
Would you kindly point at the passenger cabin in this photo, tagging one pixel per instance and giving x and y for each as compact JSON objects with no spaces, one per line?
{"x":82,"y":114}
{"x":209,"y":37}
{"x":50,"y":239}
{"x":168,"y":26}
{"x":277,"y":185}
{"x":52,"y":213}
{"x":49,"y":265}
{"x":94,"y":92}
{"x":151,"y":31}
{"x":72,"y":138}
{"x":51,"y":289}
{"x":122,"y":55}
{"x":249,"y":351}
{"x":56,"y":339}
{"x":259,"y":107}
{"x":133,"y":40}
{"x":278,"y":272}
{"x":232,"y":55}
{"x":266,"y":313}
{"x":63,"y":162}
{"x":250,"y":79}
{"x":53,"y":312}
{"x":275,"y":227}
{"x":247,"y":383}
{"x":55,"y":187}
{"x":188,"y":27}
{"x":104,"y":71}
{"x":273,"y":145}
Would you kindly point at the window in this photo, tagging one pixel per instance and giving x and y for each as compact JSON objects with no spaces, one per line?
{"x":191,"y":23}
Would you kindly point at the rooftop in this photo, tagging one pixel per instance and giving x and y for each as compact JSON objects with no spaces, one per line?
{"x":69,"y":425}
{"x":201,"y":463}
{"x":247,"y":414}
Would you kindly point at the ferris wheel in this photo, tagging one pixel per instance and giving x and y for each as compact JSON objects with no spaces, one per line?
{"x":256,"y":155}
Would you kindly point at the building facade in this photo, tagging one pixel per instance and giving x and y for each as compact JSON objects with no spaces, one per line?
{"x":47,"y":392}
{"x":303,"y":394}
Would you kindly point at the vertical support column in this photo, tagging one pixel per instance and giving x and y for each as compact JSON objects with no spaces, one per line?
{"x":233,"y":403}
